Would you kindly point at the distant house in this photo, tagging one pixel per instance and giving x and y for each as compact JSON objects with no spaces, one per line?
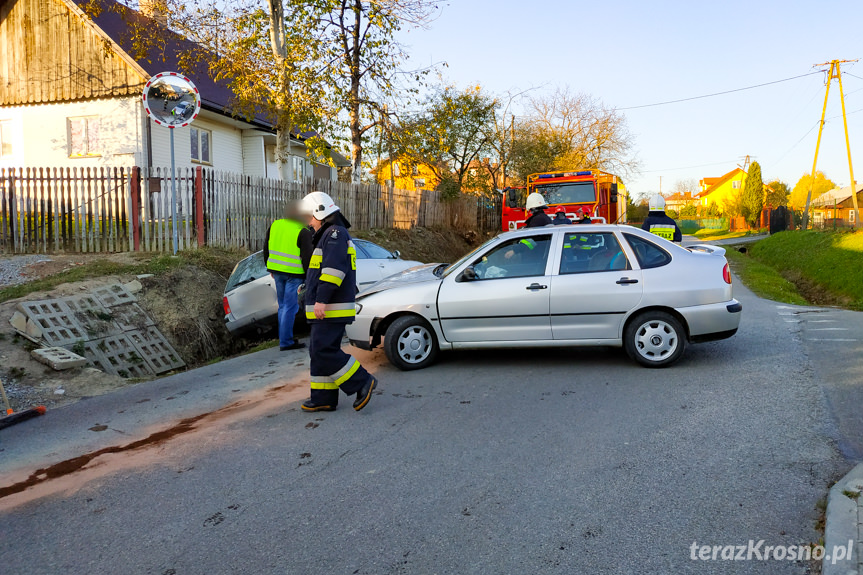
{"x":405,"y":175}
{"x":680,"y":200}
{"x":70,"y":96}
{"x":836,"y":207}
{"x":718,"y":191}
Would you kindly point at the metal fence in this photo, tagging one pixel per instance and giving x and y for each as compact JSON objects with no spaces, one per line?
{"x":119,"y":209}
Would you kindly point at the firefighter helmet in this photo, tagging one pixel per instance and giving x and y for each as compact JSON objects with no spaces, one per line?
{"x":320,"y":205}
{"x":657,"y":203}
{"x":535,"y":201}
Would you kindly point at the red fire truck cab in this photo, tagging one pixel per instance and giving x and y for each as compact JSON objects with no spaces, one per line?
{"x":594,"y":191}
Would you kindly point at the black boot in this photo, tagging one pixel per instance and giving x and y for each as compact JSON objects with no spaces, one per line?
{"x":309,"y":406}
{"x":365,"y":393}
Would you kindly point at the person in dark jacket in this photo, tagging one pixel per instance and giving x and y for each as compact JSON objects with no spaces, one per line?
{"x":660,"y":223}
{"x":536,"y":205}
{"x":329,"y":299}
{"x":560,"y":219}
{"x":287,"y":251}
{"x":581,"y":217}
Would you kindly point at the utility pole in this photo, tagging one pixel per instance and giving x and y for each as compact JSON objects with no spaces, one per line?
{"x":833,"y":73}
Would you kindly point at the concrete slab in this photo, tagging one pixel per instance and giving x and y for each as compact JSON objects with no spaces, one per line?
{"x":156,"y":351}
{"x":19,"y":321}
{"x":58,"y":358}
{"x":57,"y":321}
{"x":95,"y":318}
{"x":113,"y":295}
{"x":117,"y":354}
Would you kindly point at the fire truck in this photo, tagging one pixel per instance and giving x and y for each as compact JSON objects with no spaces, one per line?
{"x":595,"y":191}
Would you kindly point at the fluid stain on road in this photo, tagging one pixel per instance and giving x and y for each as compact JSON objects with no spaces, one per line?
{"x":252,"y":405}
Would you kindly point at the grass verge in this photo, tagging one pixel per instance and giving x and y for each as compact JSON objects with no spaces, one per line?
{"x":706,"y":234}
{"x":762,"y":279}
{"x":218,"y":260}
{"x":826,"y":267}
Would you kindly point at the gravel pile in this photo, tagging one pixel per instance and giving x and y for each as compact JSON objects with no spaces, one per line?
{"x":11,"y":268}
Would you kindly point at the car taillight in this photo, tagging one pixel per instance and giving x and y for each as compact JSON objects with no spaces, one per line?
{"x":726,"y":275}
{"x":228,"y":307}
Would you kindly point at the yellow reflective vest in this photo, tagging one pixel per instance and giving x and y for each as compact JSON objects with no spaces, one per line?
{"x":283,"y":246}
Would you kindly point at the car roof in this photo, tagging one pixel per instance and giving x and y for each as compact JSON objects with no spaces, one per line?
{"x":587,"y":228}
{"x":564,"y":228}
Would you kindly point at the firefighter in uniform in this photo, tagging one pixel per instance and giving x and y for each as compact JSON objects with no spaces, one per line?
{"x":536,"y":205}
{"x":660,"y":223}
{"x":329,"y":299}
{"x":287,"y":251}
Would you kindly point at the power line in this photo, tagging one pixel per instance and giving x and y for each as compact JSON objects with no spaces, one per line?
{"x":853,"y":76}
{"x":718,"y":93}
{"x":788,"y":151}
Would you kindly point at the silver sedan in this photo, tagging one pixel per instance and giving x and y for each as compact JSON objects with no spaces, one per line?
{"x":575,"y":285}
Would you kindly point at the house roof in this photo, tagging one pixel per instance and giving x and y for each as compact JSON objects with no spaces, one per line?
{"x":119,"y":22}
{"x":719,"y":181}
{"x":679,"y":197}
{"x":835,"y":196}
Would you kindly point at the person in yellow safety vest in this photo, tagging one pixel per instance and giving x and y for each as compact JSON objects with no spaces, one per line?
{"x":330,"y":305}
{"x":287,"y":252}
{"x":660,"y":223}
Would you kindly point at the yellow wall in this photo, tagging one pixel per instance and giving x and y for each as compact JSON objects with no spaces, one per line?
{"x":405,"y":179}
{"x":721,"y":194}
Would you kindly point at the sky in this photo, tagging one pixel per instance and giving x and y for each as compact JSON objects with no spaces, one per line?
{"x":631,"y":53}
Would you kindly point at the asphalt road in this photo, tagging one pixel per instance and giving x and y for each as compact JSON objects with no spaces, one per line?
{"x":551,"y":461}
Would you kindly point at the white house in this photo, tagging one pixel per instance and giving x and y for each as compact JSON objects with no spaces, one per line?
{"x":70,"y":96}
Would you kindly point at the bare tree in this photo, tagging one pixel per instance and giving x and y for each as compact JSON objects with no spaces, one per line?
{"x":686,"y":186}
{"x":595,"y":136}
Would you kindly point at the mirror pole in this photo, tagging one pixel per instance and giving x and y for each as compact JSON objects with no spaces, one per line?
{"x":173,"y":192}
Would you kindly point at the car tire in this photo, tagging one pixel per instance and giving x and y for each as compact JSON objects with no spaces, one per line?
{"x":410,"y":343}
{"x":654,"y":339}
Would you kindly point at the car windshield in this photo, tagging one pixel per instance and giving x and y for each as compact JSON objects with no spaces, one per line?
{"x":466,"y":257}
{"x":568,"y":193}
{"x":248,"y":270}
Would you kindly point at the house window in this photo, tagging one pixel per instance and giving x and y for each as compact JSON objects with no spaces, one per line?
{"x":419,"y":183}
{"x":396,"y":170}
{"x":299,"y":166}
{"x":415,"y":171}
{"x":851,"y":216}
{"x":6,"y":139}
{"x":735,"y":184}
{"x":84,"y":137}
{"x":201,"y":145}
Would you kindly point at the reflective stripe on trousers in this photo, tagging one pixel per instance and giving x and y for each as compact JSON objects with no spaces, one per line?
{"x":332,"y":369}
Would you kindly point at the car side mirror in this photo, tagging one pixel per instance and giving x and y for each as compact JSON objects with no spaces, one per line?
{"x":468,"y":275}
{"x":397,"y":254}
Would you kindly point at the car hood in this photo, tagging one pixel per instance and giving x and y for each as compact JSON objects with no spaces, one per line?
{"x":416,"y":274}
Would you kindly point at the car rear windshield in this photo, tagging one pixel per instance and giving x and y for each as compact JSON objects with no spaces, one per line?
{"x":568,"y":193}
{"x":248,"y":270}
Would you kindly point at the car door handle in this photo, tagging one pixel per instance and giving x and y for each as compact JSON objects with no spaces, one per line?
{"x":535,"y":286}
{"x":627,"y":281}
